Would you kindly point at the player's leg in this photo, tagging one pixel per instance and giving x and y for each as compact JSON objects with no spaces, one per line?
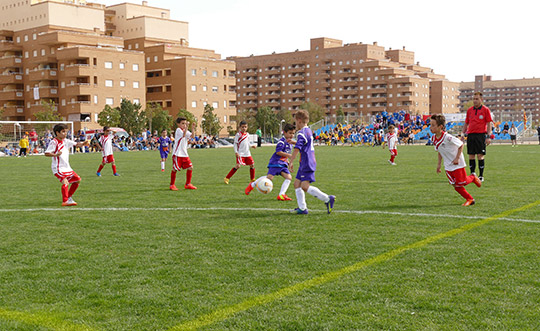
{"x":300,"y":197}
{"x":254,"y":183}
{"x":189,"y":175}
{"x":252,"y":171}
{"x":115,"y":173}
{"x":175,"y":168}
{"x":285,"y":186}
{"x":98,"y":173}
{"x":65,"y":190}
{"x":481,"y":165}
{"x":231,"y":173}
{"x":463,"y":192}
{"x":163,"y":164}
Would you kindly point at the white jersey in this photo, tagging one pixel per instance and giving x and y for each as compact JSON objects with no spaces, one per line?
{"x":60,"y":164}
{"x":106,"y":144}
{"x":391,"y":140}
{"x":448,"y":146}
{"x":241,"y":144}
{"x":181,"y":143}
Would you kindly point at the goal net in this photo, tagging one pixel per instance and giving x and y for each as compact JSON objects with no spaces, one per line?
{"x":39,"y":133}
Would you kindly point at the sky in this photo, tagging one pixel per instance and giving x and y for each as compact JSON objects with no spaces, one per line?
{"x":459,"y":39}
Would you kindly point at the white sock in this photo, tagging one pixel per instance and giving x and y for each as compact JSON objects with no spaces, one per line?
{"x":285,"y":186}
{"x":162,"y":165}
{"x":301,"y":198}
{"x":318,"y":194}
{"x":256,"y":181}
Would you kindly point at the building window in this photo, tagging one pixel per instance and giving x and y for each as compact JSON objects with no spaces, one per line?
{"x":122,"y":65}
{"x":135,"y":67}
{"x":193,"y":104}
{"x":108,"y":65}
{"x":136,"y":45}
{"x":148,"y":59}
{"x":108,"y":83}
{"x":95,"y":99}
{"x":225,"y":118}
{"x":224,"y":103}
{"x":122,"y":83}
{"x":34,"y":53}
{"x":25,"y":37}
{"x":26,"y":55}
{"x":214,"y":73}
{"x":193,"y":72}
{"x":18,"y":39}
{"x":155,"y":58}
{"x":135,"y":84}
{"x":137,"y":101}
{"x":214,"y":88}
{"x":109,"y":101}
{"x":193,"y":88}
{"x":204,"y":88}
{"x":215,"y":105}
{"x":34,"y":36}
{"x":43,"y":52}
{"x":204,"y":72}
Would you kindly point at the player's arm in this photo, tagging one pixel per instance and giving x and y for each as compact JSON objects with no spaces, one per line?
{"x":283,"y":154}
{"x":293,"y":157}
{"x":84,"y":143}
{"x":439,"y":162}
{"x":488,"y":134}
{"x":464,"y":131}
{"x":458,"y":155}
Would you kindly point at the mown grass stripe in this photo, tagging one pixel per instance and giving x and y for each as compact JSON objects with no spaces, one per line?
{"x":227,"y":312}
{"x":41,"y":320}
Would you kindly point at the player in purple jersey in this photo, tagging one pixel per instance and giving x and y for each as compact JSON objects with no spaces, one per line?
{"x":279,"y":164}
{"x":164,"y":143}
{"x":306,"y":170}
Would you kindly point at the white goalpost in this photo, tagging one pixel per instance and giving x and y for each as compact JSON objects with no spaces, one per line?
{"x":11,"y":132}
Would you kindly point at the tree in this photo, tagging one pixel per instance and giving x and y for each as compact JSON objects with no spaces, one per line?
{"x":285,"y":114}
{"x":340,"y":115}
{"x":466,"y":106}
{"x":316,"y":112}
{"x":266,"y":119}
{"x":132,"y":119}
{"x":247,"y":115}
{"x":49,"y":113}
{"x":157,"y":118}
{"x":109,"y":116}
{"x":210,"y":122}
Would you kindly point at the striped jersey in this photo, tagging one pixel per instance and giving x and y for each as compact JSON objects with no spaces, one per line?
{"x":60,"y":164}
{"x":391,"y":139}
{"x":181,"y":143}
{"x":241,"y":144}
{"x":106,"y":144}
{"x":448,"y":146}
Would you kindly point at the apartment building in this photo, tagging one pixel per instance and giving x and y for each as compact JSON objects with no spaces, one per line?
{"x":507,"y":99}
{"x":356,"y":77}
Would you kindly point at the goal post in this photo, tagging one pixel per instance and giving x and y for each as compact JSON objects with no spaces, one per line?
{"x":11,"y":132}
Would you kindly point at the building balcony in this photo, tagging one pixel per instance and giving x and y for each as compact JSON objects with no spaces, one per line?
{"x":8,"y":45}
{"x":273,"y":70}
{"x":10,"y":61}
{"x":250,"y":88}
{"x":43,"y":74}
{"x":297,"y":92}
{"x":273,"y":78}
{"x":48,"y":92}
{"x":79,"y":107}
{"x":13,"y":110}
{"x":350,"y":98}
{"x":12,"y":95}
{"x":76,"y":70}
{"x":377,"y":99}
{"x":11,"y":78}
{"x":79,"y":89}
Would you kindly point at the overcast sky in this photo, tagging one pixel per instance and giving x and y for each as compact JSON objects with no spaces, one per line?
{"x":459,"y":39}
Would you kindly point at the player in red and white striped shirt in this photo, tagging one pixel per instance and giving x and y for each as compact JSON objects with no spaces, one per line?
{"x":58,"y":149}
{"x":105,"y":141}
{"x":391,"y":140}
{"x":241,"y":150}
{"x":180,"y":156}
{"x":450,"y":150}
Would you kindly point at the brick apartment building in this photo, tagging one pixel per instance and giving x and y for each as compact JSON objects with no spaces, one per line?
{"x":507,"y":99}
{"x":359,"y":78}
{"x":84,"y":56}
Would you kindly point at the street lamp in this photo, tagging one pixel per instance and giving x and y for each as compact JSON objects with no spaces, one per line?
{"x":280,"y":126}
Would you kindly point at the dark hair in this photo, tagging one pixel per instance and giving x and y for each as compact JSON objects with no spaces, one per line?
{"x":439,"y":119}
{"x":288,"y":127}
{"x":180,"y":119}
{"x":242,"y":123}
{"x":59,"y":127}
{"x":105,"y":128}
{"x":478,"y":93}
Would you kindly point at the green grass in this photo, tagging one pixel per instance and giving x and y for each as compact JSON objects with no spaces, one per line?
{"x":148,"y":269}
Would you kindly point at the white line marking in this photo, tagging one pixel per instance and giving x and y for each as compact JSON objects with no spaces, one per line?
{"x":358,"y":212}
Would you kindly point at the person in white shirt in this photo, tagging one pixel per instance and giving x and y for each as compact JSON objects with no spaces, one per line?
{"x":450,"y":149}
{"x":106,"y":145}
{"x":58,"y":149}
{"x":180,"y":156}
{"x":391,"y":140}
{"x":513,"y":135}
{"x":243,"y":155}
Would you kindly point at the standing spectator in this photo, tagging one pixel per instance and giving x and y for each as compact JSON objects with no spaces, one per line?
{"x":538,"y":131}
{"x":23,"y":144}
{"x":33,"y":140}
{"x":259,"y":136}
{"x":477,"y":127}
{"x":513,"y":134}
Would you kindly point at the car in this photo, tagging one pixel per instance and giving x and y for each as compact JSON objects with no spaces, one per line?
{"x":224,"y":142}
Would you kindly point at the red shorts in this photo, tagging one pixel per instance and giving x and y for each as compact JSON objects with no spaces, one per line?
{"x":72,"y":177}
{"x":108,"y":159}
{"x":245,"y":160}
{"x":180,"y":163}
{"x":457,"y":177}
{"x":393,"y":152}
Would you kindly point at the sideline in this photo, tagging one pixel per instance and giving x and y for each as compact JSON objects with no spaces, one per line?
{"x":228,"y":312}
{"x":41,"y":320}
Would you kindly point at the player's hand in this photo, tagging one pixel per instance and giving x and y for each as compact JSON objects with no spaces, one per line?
{"x":455,"y":161}
{"x":291,"y":167}
{"x":439,"y":169}
{"x":254,"y":146}
{"x":488,"y":141}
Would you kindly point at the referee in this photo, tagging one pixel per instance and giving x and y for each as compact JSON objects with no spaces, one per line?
{"x":477,"y":129}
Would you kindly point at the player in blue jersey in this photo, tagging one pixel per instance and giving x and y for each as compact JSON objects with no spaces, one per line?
{"x":164,"y":143}
{"x":279,"y":163}
{"x":306,"y":169}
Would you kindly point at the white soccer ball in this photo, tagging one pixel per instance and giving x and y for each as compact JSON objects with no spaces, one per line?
{"x":265,"y":186}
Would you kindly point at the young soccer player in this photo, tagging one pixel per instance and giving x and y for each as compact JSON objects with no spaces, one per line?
{"x":23,"y":144}
{"x":278,"y":164}
{"x":450,"y":149}
{"x":243,"y":155}
{"x":164,"y":143}
{"x":58,"y":149}
{"x":306,"y":170}
{"x":391,"y":140}
{"x":180,"y":155}
{"x":106,"y":145}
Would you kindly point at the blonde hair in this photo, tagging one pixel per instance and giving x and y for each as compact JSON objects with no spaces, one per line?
{"x":302,"y":114}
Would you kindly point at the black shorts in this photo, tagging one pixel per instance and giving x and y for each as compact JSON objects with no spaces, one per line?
{"x":476,"y":143}
{"x":512,"y":137}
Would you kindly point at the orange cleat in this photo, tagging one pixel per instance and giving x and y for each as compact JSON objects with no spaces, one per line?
{"x":190,"y":187}
{"x":283,"y":197}
{"x":173,"y":188}
{"x":226,"y":180}
{"x":69,"y":202}
{"x":248,"y":189}
{"x":477,"y":181}
{"x":469,"y":203}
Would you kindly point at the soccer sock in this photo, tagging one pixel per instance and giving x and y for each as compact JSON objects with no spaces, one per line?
{"x":469,"y":179}
{"x":72,"y":189}
{"x":392,"y":158}
{"x":481,"y":167}
{"x":162,"y":165}
{"x":251,"y":173}
{"x":65,"y":194}
{"x":189,"y":174}
{"x":472,"y":165}
{"x":464,"y":193}
{"x":318,"y":194}
{"x":231,"y":173}
{"x":173,"y":177}
{"x":114,"y":168}
{"x":285,"y":186}
{"x":100,"y":168}
{"x":301,"y":198}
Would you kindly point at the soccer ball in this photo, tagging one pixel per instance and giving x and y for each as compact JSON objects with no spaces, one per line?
{"x":265,"y":185}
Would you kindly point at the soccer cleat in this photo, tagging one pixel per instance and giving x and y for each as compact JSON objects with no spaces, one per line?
{"x":69,"y":202}
{"x":299,"y":211}
{"x":248,"y":190}
{"x":481,"y":178}
{"x":98,"y":174}
{"x":226,"y":180}
{"x":173,"y":188}
{"x":330,"y":203}
{"x":116,"y":174}
{"x":393,"y":163}
{"x":190,"y":187}
{"x":390,"y":162}
{"x":469,"y":202}
{"x":283,"y":197}
{"x":477,"y":181}
{"x":162,"y":170}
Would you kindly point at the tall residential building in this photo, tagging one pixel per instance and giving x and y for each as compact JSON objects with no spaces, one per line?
{"x":507,"y":99}
{"x":358,"y":78}
{"x":83,"y":56}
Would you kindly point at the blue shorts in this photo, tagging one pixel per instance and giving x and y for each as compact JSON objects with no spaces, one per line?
{"x":303,"y":176}
{"x":276,"y":171}
{"x":164,"y":154}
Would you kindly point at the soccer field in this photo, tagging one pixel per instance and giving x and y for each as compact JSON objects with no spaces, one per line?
{"x":398,"y":252}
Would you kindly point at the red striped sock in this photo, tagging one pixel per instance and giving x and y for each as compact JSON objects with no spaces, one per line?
{"x":189,"y":174}
{"x":231,"y":173}
{"x":173,"y":177}
{"x":73,"y":188}
{"x":114,"y":168}
{"x":65,"y":193}
{"x":464,"y":193}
